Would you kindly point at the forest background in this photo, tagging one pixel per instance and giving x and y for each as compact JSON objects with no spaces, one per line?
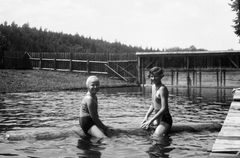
{"x":24,"y":38}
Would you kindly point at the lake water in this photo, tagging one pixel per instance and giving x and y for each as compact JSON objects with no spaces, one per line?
{"x":42,"y":124}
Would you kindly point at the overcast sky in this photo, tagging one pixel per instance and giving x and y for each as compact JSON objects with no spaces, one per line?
{"x":147,"y":23}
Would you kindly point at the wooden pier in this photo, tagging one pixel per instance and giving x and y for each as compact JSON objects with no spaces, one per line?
{"x":227,"y":143}
{"x":192,"y":68}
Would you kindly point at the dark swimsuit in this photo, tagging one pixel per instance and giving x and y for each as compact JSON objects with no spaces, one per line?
{"x":167,"y":118}
{"x":85,"y":121}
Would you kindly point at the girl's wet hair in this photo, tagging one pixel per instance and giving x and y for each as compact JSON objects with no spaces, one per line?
{"x":155,"y":70}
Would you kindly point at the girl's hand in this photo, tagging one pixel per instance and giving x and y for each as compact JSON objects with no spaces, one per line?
{"x":144,"y":120}
{"x":110,"y":132}
{"x":146,"y":124}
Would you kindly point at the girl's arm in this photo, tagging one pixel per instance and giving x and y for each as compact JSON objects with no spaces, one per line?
{"x":149,"y":112}
{"x":163,"y":94}
{"x":92,"y":106}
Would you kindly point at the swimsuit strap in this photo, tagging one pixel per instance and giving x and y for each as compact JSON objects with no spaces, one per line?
{"x":157,"y":87}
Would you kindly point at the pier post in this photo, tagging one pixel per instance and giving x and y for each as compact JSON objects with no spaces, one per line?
{"x":224,"y":77}
{"x":143,"y":72}
{"x":176,"y":77}
{"x":221,"y":78}
{"x":200,"y":77}
{"x":139,"y":70}
{"x":188,"y":77}
{"x":194,"y":79}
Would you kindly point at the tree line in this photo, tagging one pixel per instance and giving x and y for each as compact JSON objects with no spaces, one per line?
{"x":24,"y":38}
{"x":235,"y":5}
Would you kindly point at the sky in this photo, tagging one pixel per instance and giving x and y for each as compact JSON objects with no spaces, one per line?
{"x":157,"y":24}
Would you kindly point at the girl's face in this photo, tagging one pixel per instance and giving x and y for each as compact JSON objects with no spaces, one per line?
{"x":93,"y":87}
{"x":155,"y":77}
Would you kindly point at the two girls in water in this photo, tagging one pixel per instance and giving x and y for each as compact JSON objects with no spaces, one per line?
{"x":93,"y":126}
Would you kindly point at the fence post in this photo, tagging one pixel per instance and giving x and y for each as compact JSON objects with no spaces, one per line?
{"x":88,"y":68}
{"x":1,"y":59}
{"x":107,"y":62}
{"x":54,"y":62}
{"x":40,"y":61}
{"x":70,"y":62}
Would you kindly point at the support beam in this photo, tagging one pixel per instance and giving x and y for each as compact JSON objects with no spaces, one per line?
{"x":115,"y":72}
{"x":125,"y":70}
{"x":233,"y":62}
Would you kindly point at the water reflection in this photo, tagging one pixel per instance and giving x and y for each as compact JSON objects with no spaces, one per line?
{"x":89,"y":148}
{"x":222,"y":95}
{"x":160,"y":147}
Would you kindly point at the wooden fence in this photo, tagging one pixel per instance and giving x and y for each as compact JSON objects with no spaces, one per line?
{"x":122,"y":65}
{"x":14,"y":60}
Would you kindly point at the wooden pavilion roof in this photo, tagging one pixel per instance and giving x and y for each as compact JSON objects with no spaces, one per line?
{"x":188,"y":53}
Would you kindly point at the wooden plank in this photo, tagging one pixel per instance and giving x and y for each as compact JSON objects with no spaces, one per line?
{"x":223,"y":155}
{"x":122,"y":61}
{"x":224,"y":148}
{"x":232,"y":120}
{"x":230,"y":127}
{"x":228,"y":139}
{"x":229,"y":143}
{"x":235,"y":106}
{"x":236,"y":94}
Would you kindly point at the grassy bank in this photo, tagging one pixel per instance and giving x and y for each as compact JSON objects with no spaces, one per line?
{"x":12,"y":81}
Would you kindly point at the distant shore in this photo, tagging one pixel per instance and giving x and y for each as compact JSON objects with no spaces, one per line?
{"x":15,"y":81}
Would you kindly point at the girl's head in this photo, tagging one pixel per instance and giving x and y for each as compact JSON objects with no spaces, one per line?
{"x":93,"y":84}
{"x":155,"y":74}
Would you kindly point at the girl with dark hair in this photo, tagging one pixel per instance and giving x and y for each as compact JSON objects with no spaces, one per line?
{"x":162,"y":118}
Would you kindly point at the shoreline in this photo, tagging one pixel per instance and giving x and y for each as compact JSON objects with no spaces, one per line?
{"x":20,"y":81}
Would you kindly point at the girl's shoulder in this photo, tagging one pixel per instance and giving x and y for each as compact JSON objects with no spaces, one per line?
{"x":89,"y":98}
{"x":163,"y":90}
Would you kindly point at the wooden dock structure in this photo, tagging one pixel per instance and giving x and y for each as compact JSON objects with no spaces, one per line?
{"x":227,"y":143}
{"x":192,"y":68}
